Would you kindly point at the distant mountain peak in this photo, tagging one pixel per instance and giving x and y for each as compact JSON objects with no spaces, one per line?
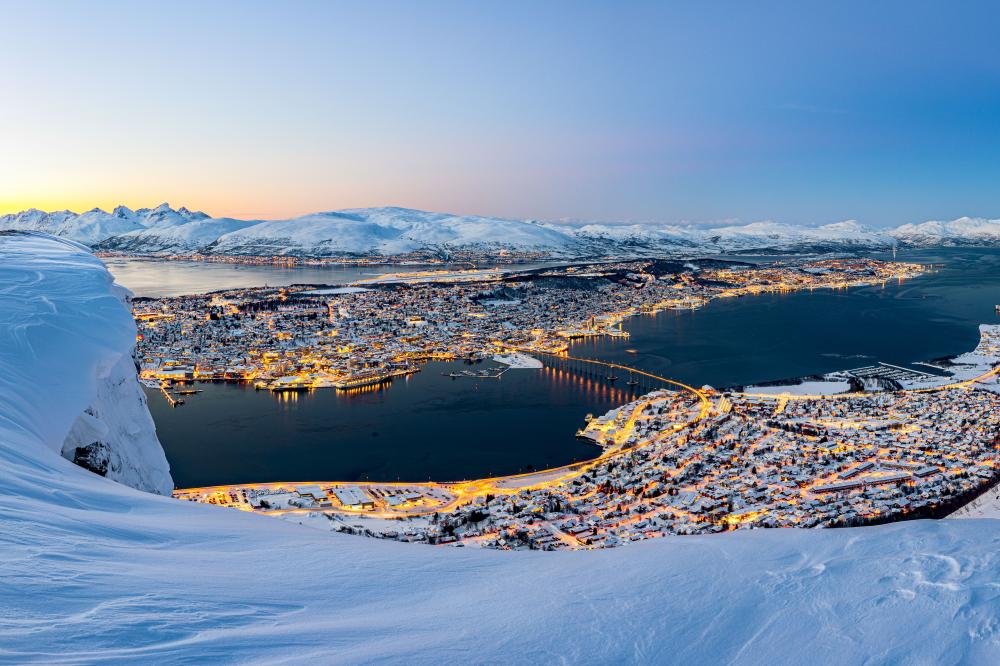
{"x":192,"y":214}
{"x":846,"y":225}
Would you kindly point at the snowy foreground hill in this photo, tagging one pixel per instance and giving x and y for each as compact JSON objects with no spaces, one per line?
{"x":400,"y":231}
{"x":96,"y":571}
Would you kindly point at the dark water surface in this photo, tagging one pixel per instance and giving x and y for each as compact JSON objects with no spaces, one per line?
{"x":421,"y":427}
{"x":776,"y":336}
{"x":429,"y":426}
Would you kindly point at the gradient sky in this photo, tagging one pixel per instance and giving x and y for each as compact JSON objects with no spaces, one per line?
{"x":801,"y":112}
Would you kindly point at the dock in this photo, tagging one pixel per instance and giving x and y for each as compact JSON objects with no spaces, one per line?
{"x":489,"y":373}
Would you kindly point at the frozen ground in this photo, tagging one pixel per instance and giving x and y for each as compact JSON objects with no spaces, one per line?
{"x":986,"y":505}
{"x":94,"y":571}
{"x":335,"y":290}
{"x":805,"y":388}
{"x":518,"y":361}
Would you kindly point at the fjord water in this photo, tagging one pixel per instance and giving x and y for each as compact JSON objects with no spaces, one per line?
{"x":429,"y":426}
{"x":776,"y":336}
{"x":425,"y":426}
{"x":158,"y":277}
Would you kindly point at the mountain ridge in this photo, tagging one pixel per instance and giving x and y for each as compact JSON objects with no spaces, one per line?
{"x":393,"y":231}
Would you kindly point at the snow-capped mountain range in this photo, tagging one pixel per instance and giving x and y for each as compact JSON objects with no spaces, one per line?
{"x":398,"y":231}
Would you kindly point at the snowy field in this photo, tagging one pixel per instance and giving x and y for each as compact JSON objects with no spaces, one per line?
{"x":97,"y":572}
{"x":518,"y":361}
{"x":805,"y":388}
{"x":986,"y":505}
{"x":334,"y":291}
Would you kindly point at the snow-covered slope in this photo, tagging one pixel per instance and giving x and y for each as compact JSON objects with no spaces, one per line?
{"x":392,"y":231}
{"x":635,"y":238}
{"x":321,"y":235}
{"x":389,"y":231}
{"x":963,"y":231}
{"x":97,"y":572}
{"x":839,"y":235}
{"x":986,"y":505}
{"x":757,"y":236}
{"x":183,"y":238}
{"x":38,"y":220}
{"x":96,"y":226}
{"x":56,"y":297}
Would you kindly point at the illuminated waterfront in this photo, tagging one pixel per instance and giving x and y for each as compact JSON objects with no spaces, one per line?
{"x":430,"y":426}
{"x":777,"y":336}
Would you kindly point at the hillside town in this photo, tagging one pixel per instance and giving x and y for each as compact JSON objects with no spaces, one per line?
{"x":678,"y":460}
{"x":301,"y":338}
{"x":695,"y":461}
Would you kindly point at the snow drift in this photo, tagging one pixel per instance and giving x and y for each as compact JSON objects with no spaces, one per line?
{"x":95,"y":571}
{"x":61,"y":314}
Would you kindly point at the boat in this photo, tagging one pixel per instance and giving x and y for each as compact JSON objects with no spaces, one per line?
{"x":283,"y":388}
{"x":362,"y":379}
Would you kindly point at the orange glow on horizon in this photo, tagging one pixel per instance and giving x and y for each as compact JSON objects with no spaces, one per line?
{"x":236,"y":207}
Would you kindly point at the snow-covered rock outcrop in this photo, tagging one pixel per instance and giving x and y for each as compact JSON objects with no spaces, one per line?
{"x":57,"y":298}
{"x":116,"y":437}
{"x":96,"y":572}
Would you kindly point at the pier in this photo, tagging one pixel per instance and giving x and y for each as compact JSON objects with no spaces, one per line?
{"x":488,"y":373}
{"x":171,"y":400}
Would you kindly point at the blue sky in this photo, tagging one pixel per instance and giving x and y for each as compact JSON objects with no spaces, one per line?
{"x":884,"y":112}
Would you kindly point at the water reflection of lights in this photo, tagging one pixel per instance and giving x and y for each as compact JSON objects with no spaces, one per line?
{"x":368,"y":388}
{"x":597,"y":387}
{"x":286,"y":397}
